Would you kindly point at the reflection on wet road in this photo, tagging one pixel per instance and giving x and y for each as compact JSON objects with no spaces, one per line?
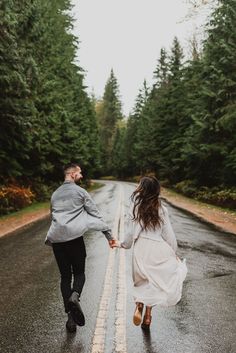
{"x":32,"y":317}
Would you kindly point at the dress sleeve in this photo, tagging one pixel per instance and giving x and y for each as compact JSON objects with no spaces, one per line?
{"x":129,"y":231}
{"x":167,"y":231}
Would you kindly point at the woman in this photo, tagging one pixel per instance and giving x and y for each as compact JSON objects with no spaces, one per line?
{"x":158,"y":274}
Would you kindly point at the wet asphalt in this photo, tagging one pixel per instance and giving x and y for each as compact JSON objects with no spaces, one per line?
{"x":32,"y":319}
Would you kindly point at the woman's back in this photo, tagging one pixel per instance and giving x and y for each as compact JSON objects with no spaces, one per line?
{"x":162,"y":232}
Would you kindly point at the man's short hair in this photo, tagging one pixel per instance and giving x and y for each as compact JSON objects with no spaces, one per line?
{"x":69,"y":167}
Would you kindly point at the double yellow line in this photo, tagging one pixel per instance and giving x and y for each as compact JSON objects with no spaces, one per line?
{"x":99,"y":338}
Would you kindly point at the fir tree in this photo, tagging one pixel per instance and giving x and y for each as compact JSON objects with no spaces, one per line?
{"x":109,"y":116}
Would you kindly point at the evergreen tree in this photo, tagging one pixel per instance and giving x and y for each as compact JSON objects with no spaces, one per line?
{"x":118,"y":150}
{"x":134,"y":139}
{"x":213,"y":134}
{"x":17,"y":73}
{"x":164,"y":115}
{"x":157,"y":113}
{"x":173,"y":122}
{"x":109,"y":116}
{"x":47,"y":117}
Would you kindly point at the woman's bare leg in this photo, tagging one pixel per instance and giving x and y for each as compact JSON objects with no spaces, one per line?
{"x":147,"y":318}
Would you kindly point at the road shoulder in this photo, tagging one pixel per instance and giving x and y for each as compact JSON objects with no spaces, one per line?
{"x":221,"y":219}
{"x":13,"y":223}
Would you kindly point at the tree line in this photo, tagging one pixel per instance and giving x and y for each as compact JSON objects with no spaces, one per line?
{"x":183,"y":128}
{"x":47,"y":118}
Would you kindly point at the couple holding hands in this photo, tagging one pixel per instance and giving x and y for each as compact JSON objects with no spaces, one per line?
{"x":157,"y":272}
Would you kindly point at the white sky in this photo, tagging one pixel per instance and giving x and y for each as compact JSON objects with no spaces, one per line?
{"x":127,"y":35}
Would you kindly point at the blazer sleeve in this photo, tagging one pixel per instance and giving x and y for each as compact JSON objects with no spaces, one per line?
{"x":92,"y":209}
{"x":167,"y":231}
{"x":90,"y":206}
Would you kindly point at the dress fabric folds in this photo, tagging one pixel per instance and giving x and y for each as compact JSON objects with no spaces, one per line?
{"x":158,"y":274}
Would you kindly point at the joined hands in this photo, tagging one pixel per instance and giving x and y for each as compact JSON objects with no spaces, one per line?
{"x":114,"y":243}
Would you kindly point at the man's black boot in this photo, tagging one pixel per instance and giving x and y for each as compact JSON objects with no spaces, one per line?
{"x":70,"y":324}
{"x":76,"y":310}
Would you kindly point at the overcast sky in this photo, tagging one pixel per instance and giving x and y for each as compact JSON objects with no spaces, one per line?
{"x":127,"y":35}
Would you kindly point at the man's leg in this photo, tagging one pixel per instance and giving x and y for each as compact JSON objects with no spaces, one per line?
{"x":78,"y":256}
{"x":63,"y":262}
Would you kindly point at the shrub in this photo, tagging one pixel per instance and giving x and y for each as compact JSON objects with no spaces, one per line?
{"x":165,"y":183}
{"x":42,"y":191}
{"x":134,"y":179}
{"x":13,"y":198}
{"x":217,"y":195}
{"x":108,"y":177}
{"x":186,"y":187}
{"x":223,"y":198}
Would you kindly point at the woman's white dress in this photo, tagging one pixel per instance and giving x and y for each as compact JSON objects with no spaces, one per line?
{"x":157,"y":273}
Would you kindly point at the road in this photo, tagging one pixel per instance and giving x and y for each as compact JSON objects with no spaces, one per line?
{"x":32,"y":318}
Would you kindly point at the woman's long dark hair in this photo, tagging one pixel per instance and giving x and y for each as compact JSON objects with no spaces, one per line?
{"x":146,"y":203}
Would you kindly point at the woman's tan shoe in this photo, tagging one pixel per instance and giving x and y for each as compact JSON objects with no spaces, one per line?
{"x":147,"y":319}
{"x":137,"y":318}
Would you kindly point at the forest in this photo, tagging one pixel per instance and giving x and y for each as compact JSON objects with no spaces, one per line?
{"x":182,"y":128}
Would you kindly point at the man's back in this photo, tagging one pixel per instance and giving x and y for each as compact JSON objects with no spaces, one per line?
{"x":66,"y":202}
{"x":73,"y":213}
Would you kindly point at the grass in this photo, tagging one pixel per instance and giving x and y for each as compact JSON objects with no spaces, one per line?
{"x":32,"y":208}
{"x":108,"y":177}
{"x":94,"y":186}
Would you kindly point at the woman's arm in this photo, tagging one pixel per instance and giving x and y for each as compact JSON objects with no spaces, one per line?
{"x":128,"y":241}
{"x":129,"y":234}
{"x":167,"y":231}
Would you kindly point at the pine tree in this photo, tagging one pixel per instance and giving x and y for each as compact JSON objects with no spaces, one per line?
{"x":118,"y":150}
{"x":214,"y":131}
{"x":47,"y":117}
{"x":17,"y":72}
{"x":165,"y":113}
{"x":109,"y":116}
{"x":134,"y":141}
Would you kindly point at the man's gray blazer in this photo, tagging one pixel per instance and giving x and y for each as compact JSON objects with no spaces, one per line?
{"x":73,"y":213}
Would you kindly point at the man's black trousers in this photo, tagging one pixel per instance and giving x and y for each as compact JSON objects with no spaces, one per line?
{"x":70,"y":257}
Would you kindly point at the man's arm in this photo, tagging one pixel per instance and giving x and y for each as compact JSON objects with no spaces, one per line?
{"x":92,"y":209}
{"x":108,"y":235}
{"x":90,"y":206}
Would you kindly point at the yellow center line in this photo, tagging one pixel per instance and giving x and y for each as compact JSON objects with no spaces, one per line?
{"x":98,"y":344}
{"x":120,"y":311}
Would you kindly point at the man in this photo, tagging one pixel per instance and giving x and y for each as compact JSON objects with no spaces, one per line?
{"x":73,"y":213}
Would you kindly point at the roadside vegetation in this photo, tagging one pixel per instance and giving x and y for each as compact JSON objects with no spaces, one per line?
{"x":182,"y":128}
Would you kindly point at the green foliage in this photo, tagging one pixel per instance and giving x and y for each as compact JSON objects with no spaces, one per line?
{"x":108,"y":114}
{"x":217,"y":196}
{"x":185,"y":132}
{"x":41,"y":191}
{"x":211,"y":139}
{"x":17,"y":72}
{"x":47,"y":117}
{"x":186,"y":187}
{"x":222,"y":197}
{"x":118,"y":150}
